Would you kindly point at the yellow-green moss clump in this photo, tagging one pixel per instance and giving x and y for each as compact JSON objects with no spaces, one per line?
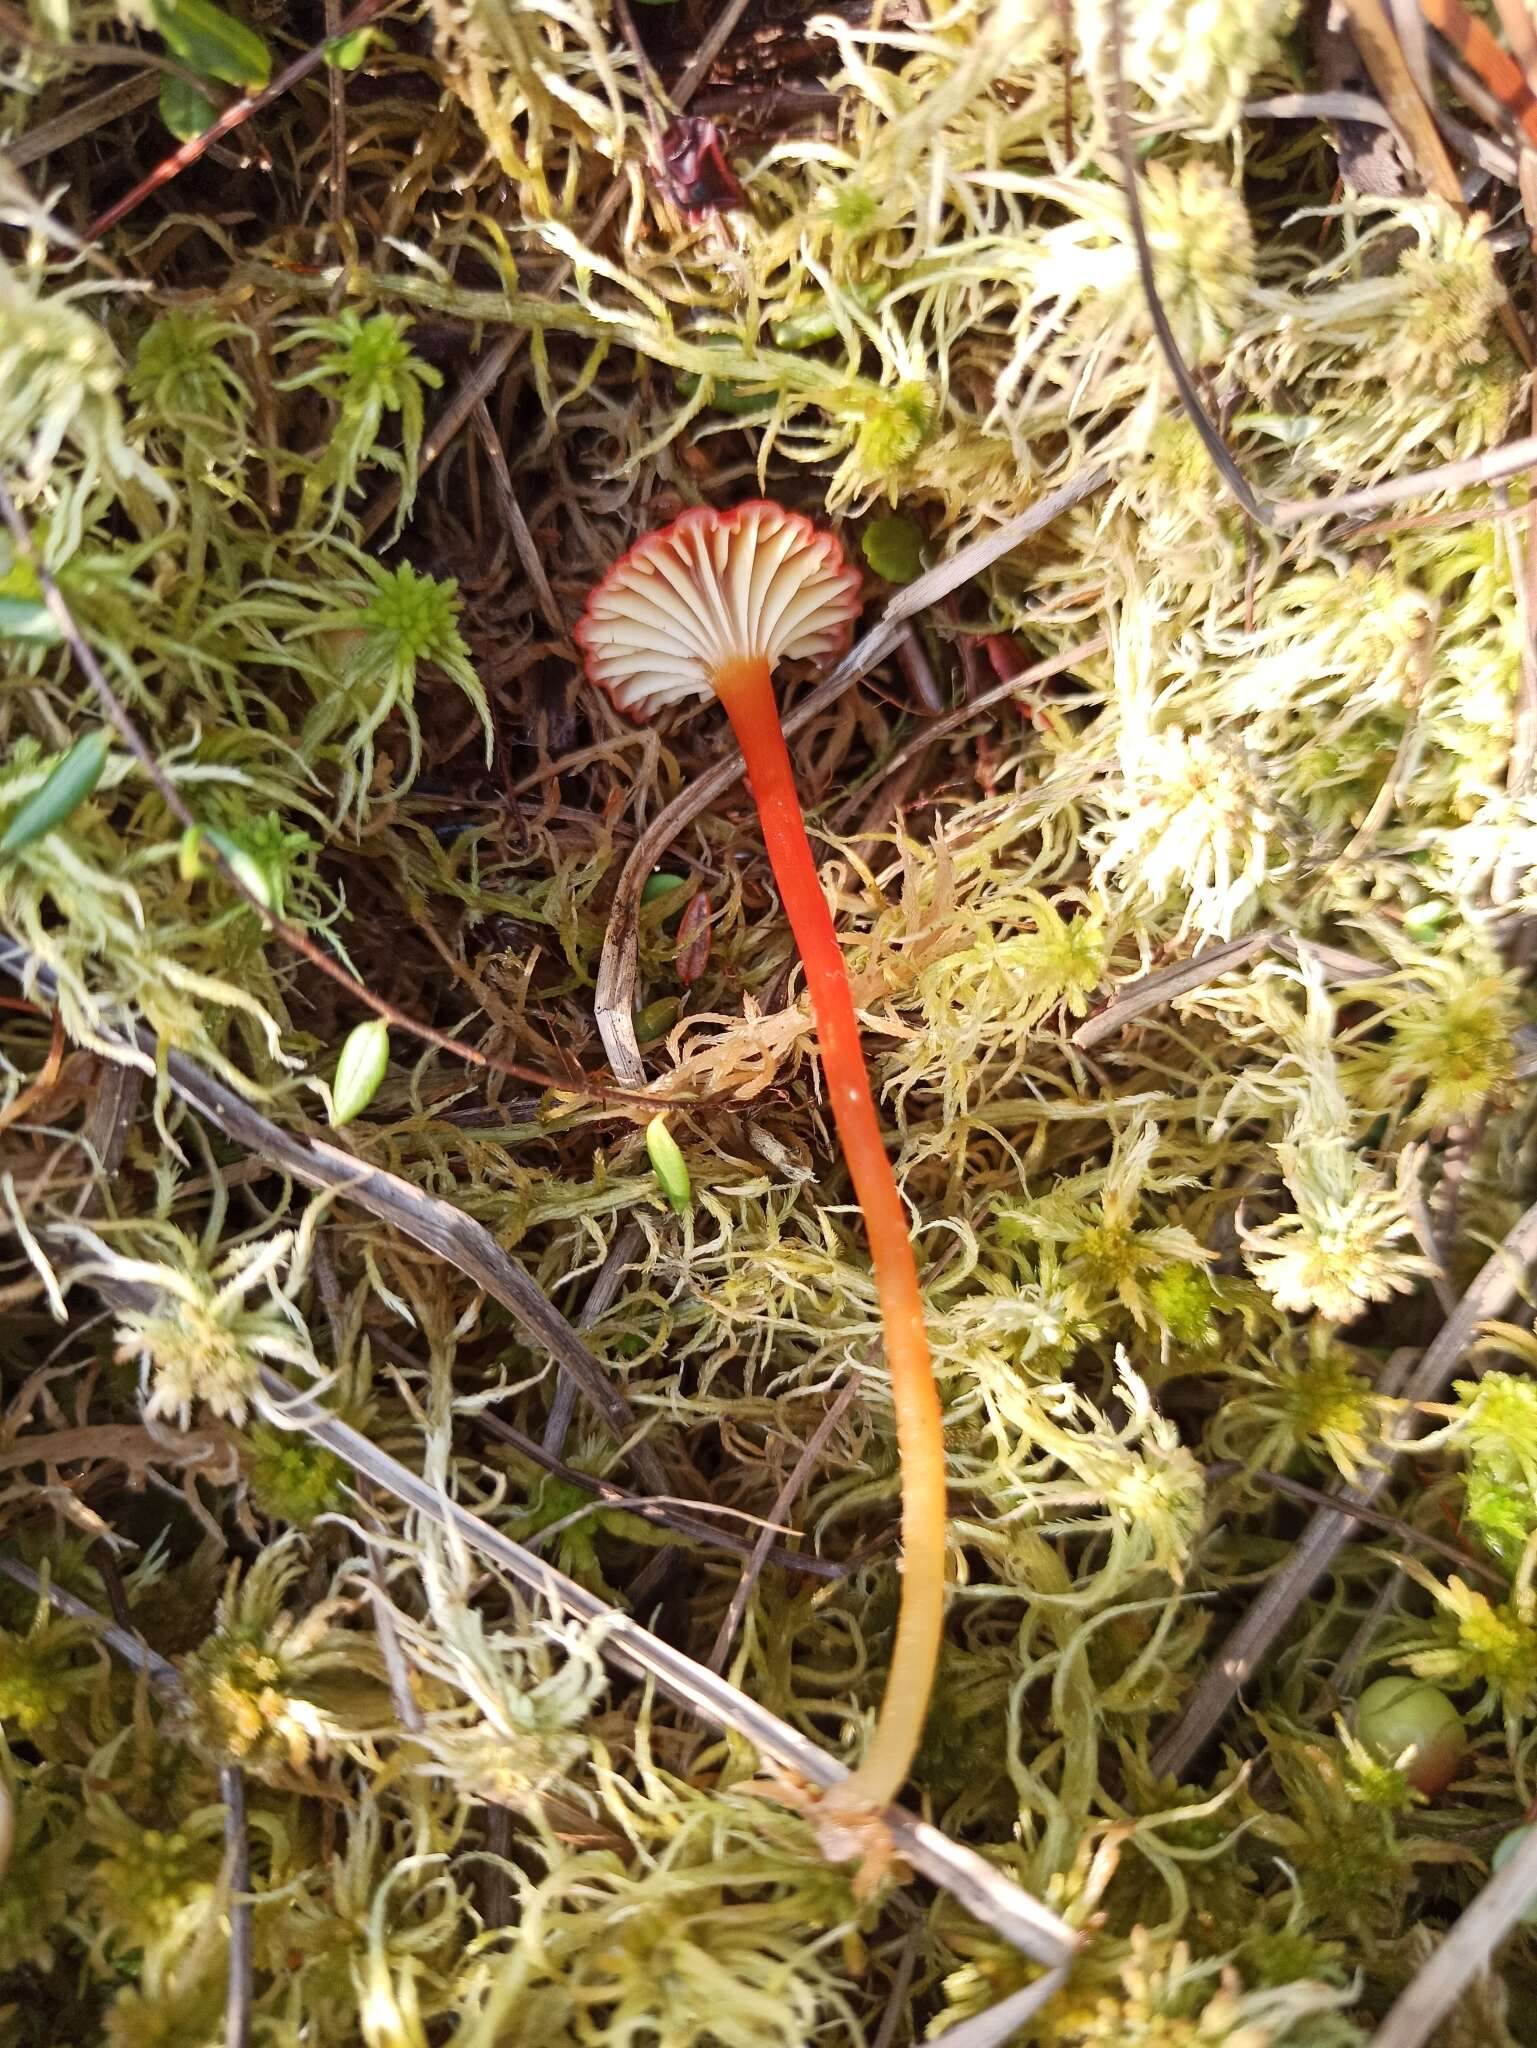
{"x":1194,"y":981}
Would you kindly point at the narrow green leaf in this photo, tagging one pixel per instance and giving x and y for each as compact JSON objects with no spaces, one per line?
{"x":364,"y":1060}
{"x":66,"y":789}
{"x":191,"y":860}
{"x":817,"y":323}
{"x":185,"y":110}
{"x":212,"y":43}
{"x":669,"y":1165}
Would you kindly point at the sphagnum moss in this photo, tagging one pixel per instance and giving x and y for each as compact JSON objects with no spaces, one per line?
{"x":1199,"y":1239}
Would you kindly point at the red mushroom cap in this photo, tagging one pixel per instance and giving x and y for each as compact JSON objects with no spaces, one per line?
{"x":711,"y":590}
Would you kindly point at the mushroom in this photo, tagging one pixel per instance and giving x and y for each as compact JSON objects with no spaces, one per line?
{"x":708,"y":606}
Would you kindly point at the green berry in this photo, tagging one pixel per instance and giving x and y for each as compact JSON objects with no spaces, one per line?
{"x":1406,"y":1721}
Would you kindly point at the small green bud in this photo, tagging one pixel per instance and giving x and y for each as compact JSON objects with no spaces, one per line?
{"x":894,"y":548}
{"x":1423,"y":920}
{"x":247,"y":869}
{"x":346,"y":53}
{"x":659,"y":885}
{"x":669,"y":1165}
{"x":1505,"y":1848}
{"x":805,"y":330}
{"x":67,"y":787}
{"x":1405,"y":1718}
{"x":359,"y":1070}
{"x":726,"y":397}
{"x":655,"y":1019}
{"x":191,"y":859}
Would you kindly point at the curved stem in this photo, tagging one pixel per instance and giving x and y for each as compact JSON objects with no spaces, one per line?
{"x":745,"y":690}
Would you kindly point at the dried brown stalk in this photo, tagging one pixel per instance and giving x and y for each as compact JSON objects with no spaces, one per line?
{"x":1245,"y":1648}
{"x":422,"y":1217}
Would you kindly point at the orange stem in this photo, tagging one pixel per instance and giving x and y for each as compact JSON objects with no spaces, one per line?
{"x":747,"y":693}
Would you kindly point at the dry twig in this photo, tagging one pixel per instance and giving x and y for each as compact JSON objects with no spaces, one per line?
{"x":973,"y":1882}
{"x":1429,"y":1997}
{"x":422,"y":1217}
{"x":1238,"y":1658}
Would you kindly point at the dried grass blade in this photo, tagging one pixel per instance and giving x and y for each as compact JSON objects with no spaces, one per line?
{"x":422,"y":1217}
{"x":985,"y":1892}
{"x":1430,"y":1995}
{"x":1240,"y":1655}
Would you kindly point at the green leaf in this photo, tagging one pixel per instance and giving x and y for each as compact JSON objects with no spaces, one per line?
{"x":185,"y":110}
{"x":28,"y":618}
{"x":191,"y":859}
{"x":817,"y":323}
{"x":364,"y":1060}
{"x":23,"y":614}
{"x":894,"y":548}
{"x":259,"y":879}
{"x":212,"y":43}
{"x":669,"y":1165}
{"x":348,"y":52}
{"x":66,"y":789}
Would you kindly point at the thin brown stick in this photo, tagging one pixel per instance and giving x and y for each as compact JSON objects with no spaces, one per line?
{"x":996,"y":693}
{"x":237,"y":1884}
{"x":601,"y":1297}
{"x":1239,"y":1656}
{"x":424,"y":1218}
{"x":786,"y":1498}
{"x":101,"y":109}
{"x":614,"y":995}
{"x":336,"y":94}
{"x":1211,"y":439}
{"x":517,"y":525}
{"x":124,"y":1643}
{"x":670,"y":1513}
{"x":1488,"y":468}
{"x":715,"y":40}
{"x":231,"y":118}
{"x":1435,"y":1988}
{"x":970,"y":1879}
{"x":1167,"y":984}
{"x":1371,"y":1518}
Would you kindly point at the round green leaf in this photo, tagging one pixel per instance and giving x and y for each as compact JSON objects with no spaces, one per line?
{"x":185,"y":110}
{"x":894,"y":548}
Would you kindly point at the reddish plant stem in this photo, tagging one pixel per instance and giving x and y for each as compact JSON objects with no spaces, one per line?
{"x":747,"y":693}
